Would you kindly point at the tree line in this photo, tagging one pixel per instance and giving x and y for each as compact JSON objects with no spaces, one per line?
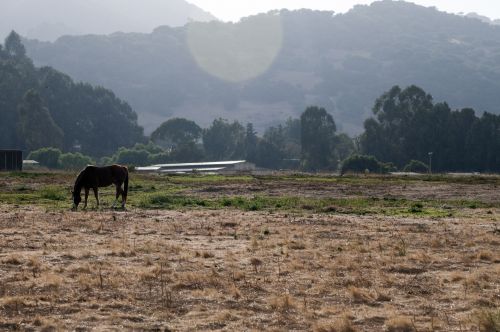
{"x":406,"y":130}
{"x":41,"y":107}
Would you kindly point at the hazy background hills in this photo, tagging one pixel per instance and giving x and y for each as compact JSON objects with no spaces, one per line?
{"x":49,"y":19}
{"x":341,"y":62}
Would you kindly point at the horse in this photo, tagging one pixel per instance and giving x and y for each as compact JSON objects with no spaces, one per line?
{"x":95,"y":177}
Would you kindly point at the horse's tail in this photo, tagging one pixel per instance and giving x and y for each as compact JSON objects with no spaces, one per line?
{"x":125,"y":185}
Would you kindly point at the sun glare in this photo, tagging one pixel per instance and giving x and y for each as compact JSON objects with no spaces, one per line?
{"x":236,"y":52}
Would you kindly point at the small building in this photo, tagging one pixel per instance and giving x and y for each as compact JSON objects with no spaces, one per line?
{"x":31,"y":164}
{"x":11,"y":160}
{"x":205,"y":167}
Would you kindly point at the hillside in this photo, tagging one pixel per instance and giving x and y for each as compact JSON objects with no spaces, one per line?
{"x":43,"y":107}
{"x":271,"y":66}
{"x":47,"y":20}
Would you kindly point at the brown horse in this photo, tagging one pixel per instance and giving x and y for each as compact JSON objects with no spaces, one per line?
{"x":95,"y":177}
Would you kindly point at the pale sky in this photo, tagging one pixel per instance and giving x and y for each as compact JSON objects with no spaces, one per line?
{"x":233,"y":10}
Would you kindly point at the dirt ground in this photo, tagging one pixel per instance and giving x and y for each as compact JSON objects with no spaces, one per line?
{"x":195,"y":269}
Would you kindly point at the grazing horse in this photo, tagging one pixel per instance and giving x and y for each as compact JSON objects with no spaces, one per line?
{"x":95,"y":177}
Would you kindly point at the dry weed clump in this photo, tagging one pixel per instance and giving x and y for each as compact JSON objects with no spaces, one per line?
{"x":13,"y":304}
{"x":360,"y":295}
{"x":51,"y":281}
{"x":340,"y":325}
{"x":488,"y":321}
{"x":400,"y":324}
{"x":13,"y":259}
{"x":283,"y":304}
{"x":485,"y":255}
{"x":46,"y":324}
{"x":198,"y":280}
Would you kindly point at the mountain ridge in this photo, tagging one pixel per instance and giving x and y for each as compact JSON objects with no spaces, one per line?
{"x":51,"y":19}
{"x":342,"y":62}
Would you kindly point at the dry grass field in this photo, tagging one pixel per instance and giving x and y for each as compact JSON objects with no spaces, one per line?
{"x":277,"y":253}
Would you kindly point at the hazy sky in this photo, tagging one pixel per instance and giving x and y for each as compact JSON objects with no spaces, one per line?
{"x":233,"y":10}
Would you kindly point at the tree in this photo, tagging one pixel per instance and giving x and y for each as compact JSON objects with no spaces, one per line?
{"x":361,"y":164}
{"x":317,"y":139}
{"x":74,"y":161}
{"x":176,"y":131}
{"x":396,"y":131}
{"x":36,"y":127}
{"x":344,"y":146}
{"x":251,"y":141}
{"x":416,"y":166}
{"x":186,"y":153}
{"x":224,"y":140}
{"x":14,"y":47}
{"x":48,"y":157}
{"x":132,"y":157}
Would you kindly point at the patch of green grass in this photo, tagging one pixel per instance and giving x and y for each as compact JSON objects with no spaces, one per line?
{"x":25,"y":175}
{"x":170,"y":202}
{"x":181,"y":191}
{"x":53,"y":193}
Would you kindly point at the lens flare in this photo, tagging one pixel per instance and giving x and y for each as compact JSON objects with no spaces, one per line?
{"x":236,"y":52}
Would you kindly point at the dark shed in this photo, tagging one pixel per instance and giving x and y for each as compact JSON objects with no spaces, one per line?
{"x":11,"y":160}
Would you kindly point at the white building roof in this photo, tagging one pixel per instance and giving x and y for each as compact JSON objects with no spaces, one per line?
{"x":207,"y":164}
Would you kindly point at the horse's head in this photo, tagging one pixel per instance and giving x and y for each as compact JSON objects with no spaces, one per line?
{"x":77,"y":198}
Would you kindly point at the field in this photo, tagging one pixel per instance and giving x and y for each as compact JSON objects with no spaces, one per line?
{"x":253,"y":253}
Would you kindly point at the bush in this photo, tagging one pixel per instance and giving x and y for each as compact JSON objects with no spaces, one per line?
{"x":74,"y":161}
{"x":416,"y":166}
{"x":132,"y":157}
{"x":48,"y":157}
{"x":363,"y":163}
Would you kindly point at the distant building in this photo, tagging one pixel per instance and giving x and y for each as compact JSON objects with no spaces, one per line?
{"x":30,"y":164}
{"x":205,"y":167}
{"x":11,"y":160}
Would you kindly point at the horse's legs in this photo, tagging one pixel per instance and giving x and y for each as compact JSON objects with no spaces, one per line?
{"x":96,"y":194}
{"x":86,"y":197}
{"x":124,"y":198}
{"x":118,"y":191}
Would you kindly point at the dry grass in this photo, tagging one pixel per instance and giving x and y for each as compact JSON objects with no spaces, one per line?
{"x":400,"y":324}
{"x":231,"y":270}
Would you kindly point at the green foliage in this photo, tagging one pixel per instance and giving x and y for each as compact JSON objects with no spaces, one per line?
{"x":13,"y":46}
{"x":186,"y":153}
{"x":132,"y":157}
{"x":361,"y":164}
{"x":53,"y":193}
{"x":48,"y":157}
{"x":278,"y":145}
{"x":317,"y":139}
{"x":408,"y":126}
{"x":43,"y":107}
{"x":74,"y":161}
{"x":416,"y":166}
{"x":224,"y":140}
{"x":36,"y":127}
{"x":175,"y":132}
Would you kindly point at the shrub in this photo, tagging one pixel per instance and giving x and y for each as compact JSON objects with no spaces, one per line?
{"x":416,"y":166}
{"x":363,"y":163}
{"x":48,"y":157}
{"x":489,"y":321}
{"x":132,"y":157}
{"x":74,"y":161}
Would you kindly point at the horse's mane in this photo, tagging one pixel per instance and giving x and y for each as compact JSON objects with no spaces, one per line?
{"x":78,"y":180}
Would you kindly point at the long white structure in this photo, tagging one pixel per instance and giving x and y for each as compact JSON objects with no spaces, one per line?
{"x":204,"y":167}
